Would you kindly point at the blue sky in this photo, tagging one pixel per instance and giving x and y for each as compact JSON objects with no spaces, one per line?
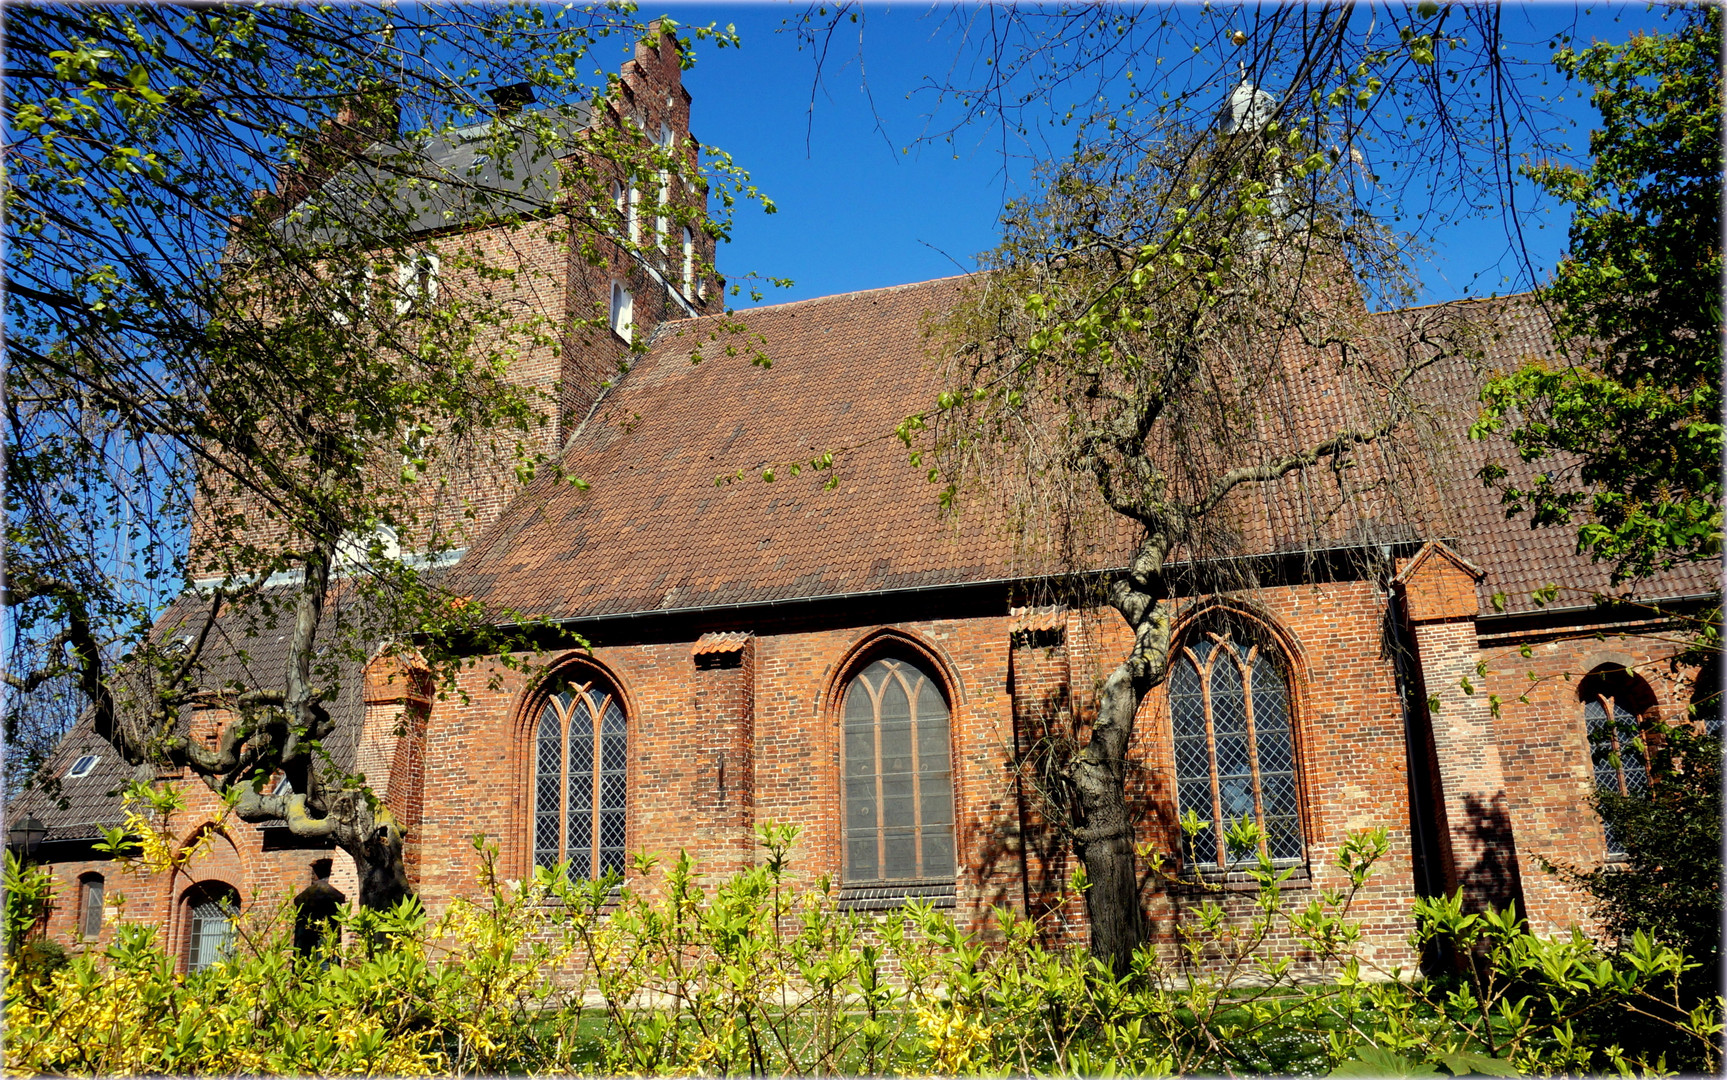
{"x":857,"y":210}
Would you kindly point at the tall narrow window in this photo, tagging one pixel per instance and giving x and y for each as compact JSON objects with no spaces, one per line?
{"x":662,"y":223}
{"x":898,"y":782}
{"x":623,"y":314}
{"x":90,"y":905}
{"x":582,"y":750}
{"x":416,"y":281}
{"x":635,"y":227}
{"x":1612,"y":708}
{"x":689,"y":262}
{"x":213,"y":909}
{"x":1234,"y":754}
{"x":353,"y":296}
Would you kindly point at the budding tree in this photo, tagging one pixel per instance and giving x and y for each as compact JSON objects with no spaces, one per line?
{"x":1150,"y":341}
{"x":235,"y":382}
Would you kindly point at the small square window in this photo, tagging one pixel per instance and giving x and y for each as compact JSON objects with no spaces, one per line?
{"x":82,"y":766}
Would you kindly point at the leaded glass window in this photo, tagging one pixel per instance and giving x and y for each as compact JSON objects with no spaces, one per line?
{"x":213,"y":911}
{"x":898,"y":777}
{"x":1616,"y":745}
{"x":581,"y":750}
{"x":1234,"y":752}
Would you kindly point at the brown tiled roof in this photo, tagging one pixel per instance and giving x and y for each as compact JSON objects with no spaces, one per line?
{"x":655,"y":532}
{"x":1518,"y":558}
{"x":725,"y":641}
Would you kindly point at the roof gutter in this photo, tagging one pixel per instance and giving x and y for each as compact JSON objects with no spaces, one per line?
{"x":1380,"y":550}
{"x":1690,"y":599}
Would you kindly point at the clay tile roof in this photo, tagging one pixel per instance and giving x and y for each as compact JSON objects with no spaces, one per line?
{"x":1048,"y":617}
{"x":1517,"y":557}
{"x":728,"y":641}
{"x":662,"y":528}
{"x":656,"y":532}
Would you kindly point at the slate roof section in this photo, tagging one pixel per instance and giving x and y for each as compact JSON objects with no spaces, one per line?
{"x":240,"y":650}
{"x":453,"y":178}
{"x":1517,"y":557}
{"x":77,"y":808}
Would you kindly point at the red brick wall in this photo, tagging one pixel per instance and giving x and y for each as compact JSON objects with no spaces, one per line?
{"x":684,"y":721}
{"x":1545,"y":747}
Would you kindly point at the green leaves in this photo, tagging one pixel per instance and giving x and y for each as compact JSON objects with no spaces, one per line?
{"x":1637,"y":316}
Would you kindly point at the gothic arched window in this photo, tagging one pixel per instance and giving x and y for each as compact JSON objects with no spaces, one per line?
{"x":581,"y":751}
{"x":1613,"y":708}
{"x":212,"y":908}
{"x":1234,"y":752}
{"x":898,"y":777}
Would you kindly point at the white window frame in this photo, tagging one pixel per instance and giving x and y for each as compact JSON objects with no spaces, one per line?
{"x":353,"y":291}
{"x":417,"y":280}
{"x":689,"y":261}
{"x":623,"y":311}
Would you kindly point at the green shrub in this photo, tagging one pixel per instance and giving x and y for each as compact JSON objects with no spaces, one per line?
{"x":762,"y":975}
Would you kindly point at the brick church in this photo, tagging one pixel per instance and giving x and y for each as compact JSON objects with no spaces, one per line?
{"x":860,"y":663}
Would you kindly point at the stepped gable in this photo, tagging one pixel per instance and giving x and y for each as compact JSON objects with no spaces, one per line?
{"x":1518,"y":558}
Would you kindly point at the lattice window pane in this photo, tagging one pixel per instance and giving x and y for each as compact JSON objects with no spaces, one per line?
{"x":581,"y":864}
{"x":1228,"y":757}
{"x":1228,"y":703}
{"x":1601,"y":745}
{"x":580,"y":779}
{"x":568,"y":766}
{"x":1283,"y":837}
{"x":1631,"y":760}
{"x":1192,"y":759}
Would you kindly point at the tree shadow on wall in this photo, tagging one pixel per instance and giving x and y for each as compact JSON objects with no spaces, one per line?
{"x":1047,"y":735}
{"x":1491,"y":878}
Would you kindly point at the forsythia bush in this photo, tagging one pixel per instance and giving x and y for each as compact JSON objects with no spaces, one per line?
{"x":762,"y":976}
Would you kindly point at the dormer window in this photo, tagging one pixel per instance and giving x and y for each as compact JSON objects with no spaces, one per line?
{"x":82,"y":766}
{"x":623,"y":315}
{"x":416,"y":281}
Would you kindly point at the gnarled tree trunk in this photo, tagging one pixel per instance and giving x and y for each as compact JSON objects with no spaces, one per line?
{"x":1103,"y":827}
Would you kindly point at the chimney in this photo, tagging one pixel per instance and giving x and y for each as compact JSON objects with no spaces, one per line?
{"x":512,"y":98}
{"x":371,"y":115}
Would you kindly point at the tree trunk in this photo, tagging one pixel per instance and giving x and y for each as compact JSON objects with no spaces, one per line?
{"x":1103,"y":827}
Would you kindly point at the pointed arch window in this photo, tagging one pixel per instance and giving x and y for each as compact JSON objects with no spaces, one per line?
{"x":898,"y":777}
{"x":579,"y":769}
{"x":1614,"y":707}
{"x":1234,"y":750}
